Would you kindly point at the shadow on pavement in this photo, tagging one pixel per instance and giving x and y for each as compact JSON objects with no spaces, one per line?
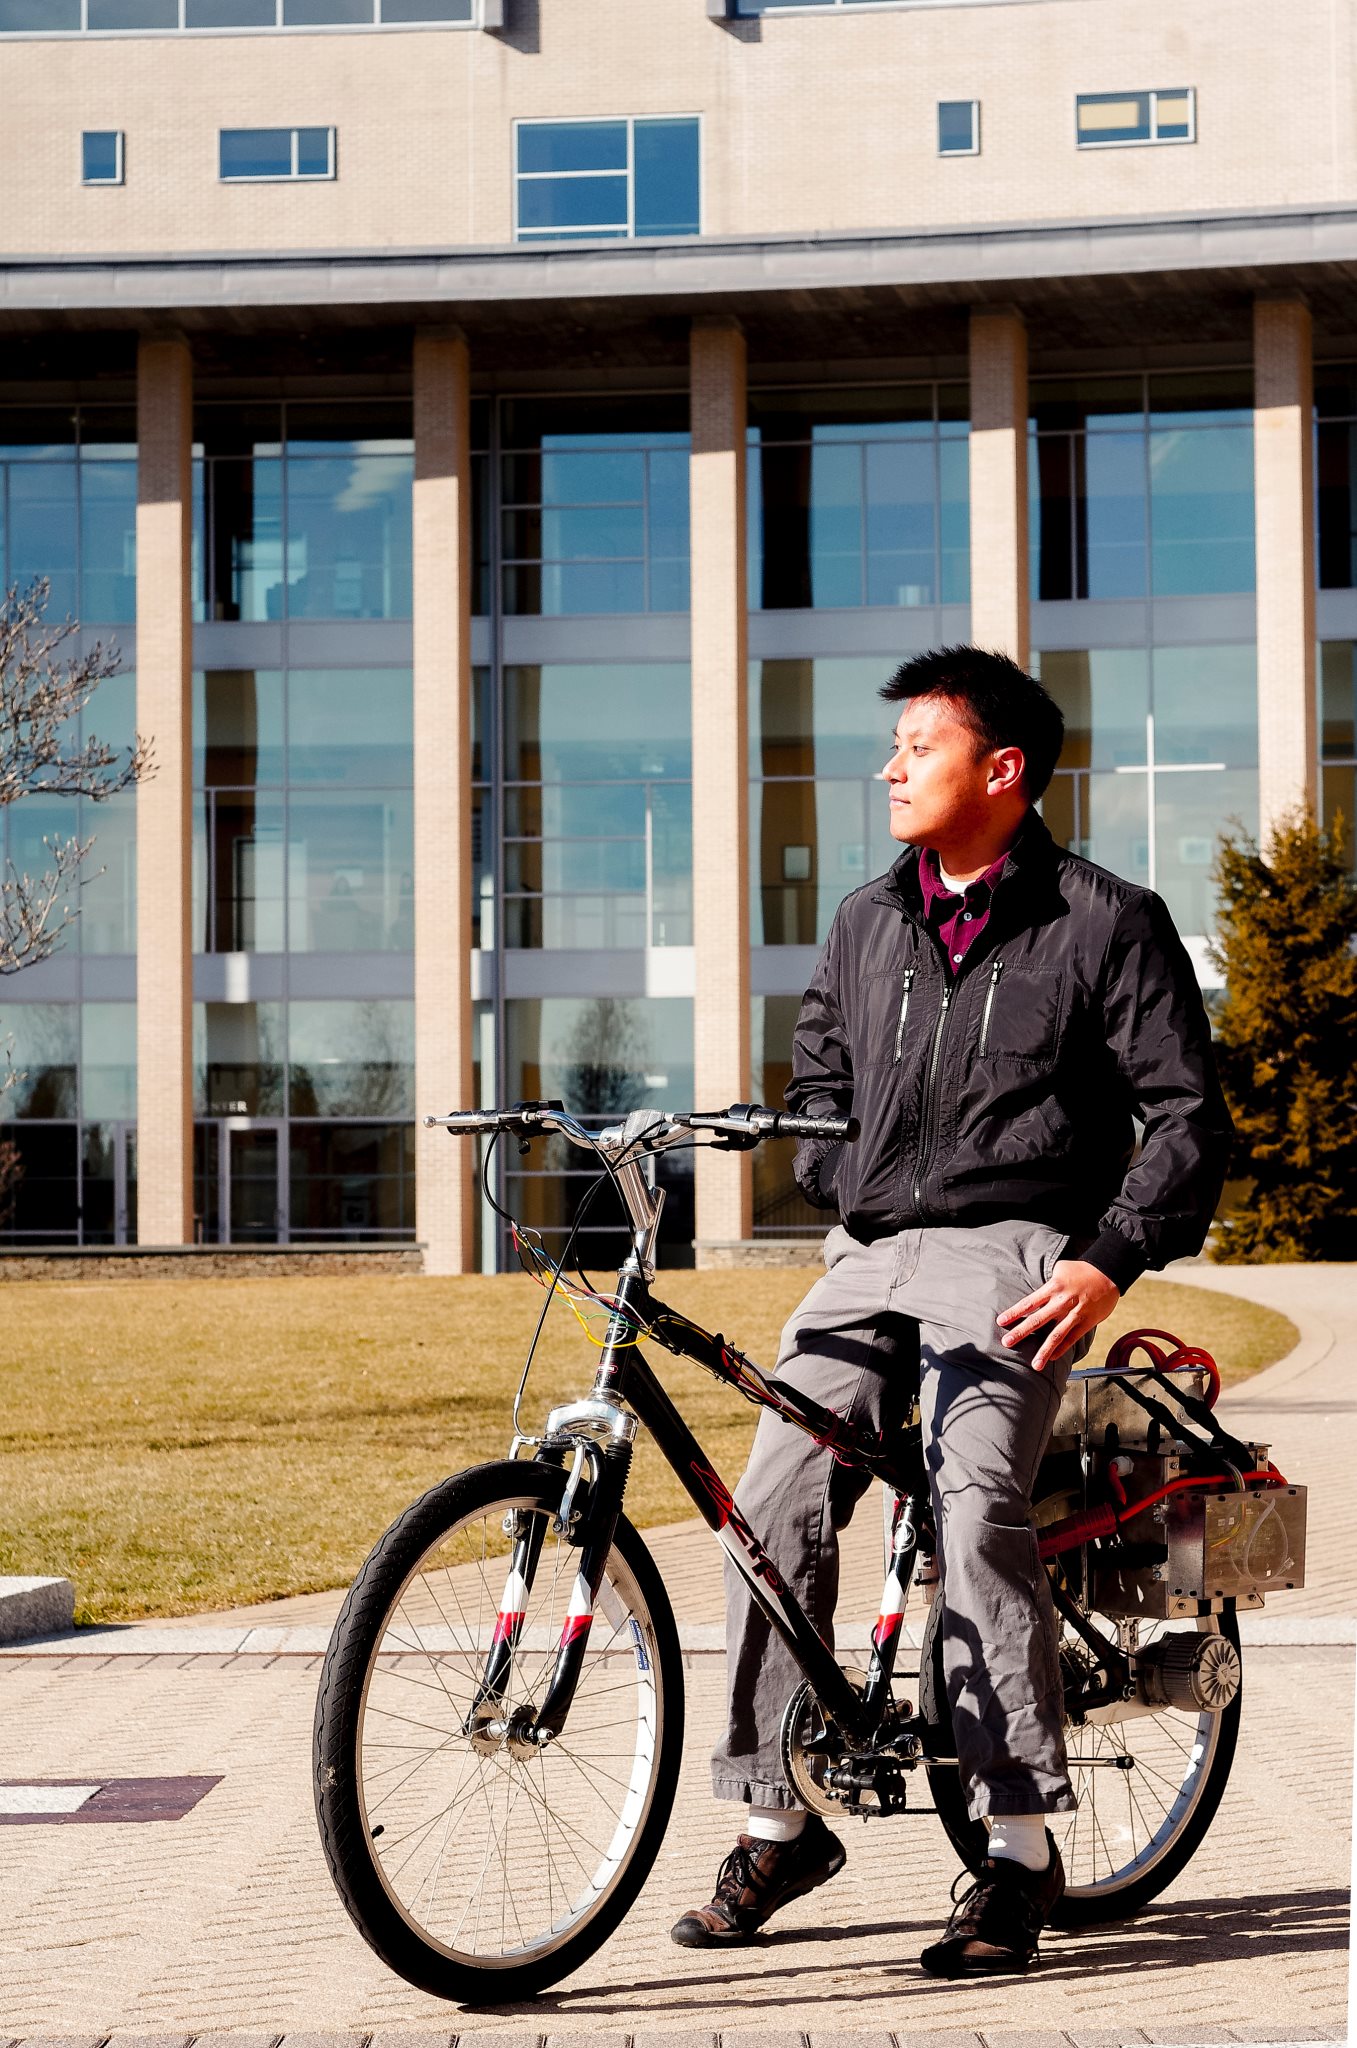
{"x":1170,"y":1936}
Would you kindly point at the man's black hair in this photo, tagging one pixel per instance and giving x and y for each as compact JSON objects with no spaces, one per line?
{"x":1000,"y":702}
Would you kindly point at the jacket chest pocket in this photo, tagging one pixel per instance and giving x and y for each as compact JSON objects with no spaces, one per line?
{"x":1020,"y":1013}
{"x":887,"y":1001}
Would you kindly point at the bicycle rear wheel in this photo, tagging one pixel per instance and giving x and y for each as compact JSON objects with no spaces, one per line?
{"x":1147,"y":1787}
{"x":477,"y":1873}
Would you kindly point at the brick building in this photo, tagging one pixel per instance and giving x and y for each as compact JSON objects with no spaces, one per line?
{"x":510,"y":440}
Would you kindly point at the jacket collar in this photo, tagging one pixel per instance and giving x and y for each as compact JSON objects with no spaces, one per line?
{"x":1026,"y":893}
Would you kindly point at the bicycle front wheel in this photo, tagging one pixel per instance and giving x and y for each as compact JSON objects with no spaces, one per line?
{"x":474,"y":1872}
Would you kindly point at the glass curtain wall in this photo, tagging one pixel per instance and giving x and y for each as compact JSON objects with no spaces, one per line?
{"x":1141,"y":486}
{"x":859,"y":498}
{"x":306,"y":510}
{"x":1338,"y":741}
{"x":68,"y":489}
{"x":1336,"y":474}
{"x":1160,"y":755}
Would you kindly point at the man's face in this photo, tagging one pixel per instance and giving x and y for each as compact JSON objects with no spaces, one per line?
{"x":938,"y":777}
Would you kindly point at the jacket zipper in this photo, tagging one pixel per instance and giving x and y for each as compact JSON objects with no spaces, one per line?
{"x":929,"y":1086}
{"x":904,"y":1009}
{"x":994,"y":974}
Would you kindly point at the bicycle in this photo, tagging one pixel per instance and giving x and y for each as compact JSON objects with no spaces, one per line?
{"x":499,"y":1722}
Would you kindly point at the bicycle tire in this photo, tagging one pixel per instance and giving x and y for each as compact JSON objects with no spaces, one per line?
{"x":1148,"y":1870}
{"x":386,"y":1639}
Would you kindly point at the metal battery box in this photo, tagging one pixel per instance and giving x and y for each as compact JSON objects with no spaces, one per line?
{"x":1191,"y":1552}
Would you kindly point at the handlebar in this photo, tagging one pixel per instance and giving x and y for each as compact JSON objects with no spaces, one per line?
{"x":738,"y":1128}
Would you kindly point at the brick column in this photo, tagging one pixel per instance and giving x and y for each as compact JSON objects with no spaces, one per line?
{"x":444,"y":1166}
{"x":164,"y":814}
{"x":1284,"y":514}
{"x":999,"y":601}
{"x":723,"y":1186}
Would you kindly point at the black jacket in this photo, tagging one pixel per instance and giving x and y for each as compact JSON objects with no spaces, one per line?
{"x":1009,"y":1090}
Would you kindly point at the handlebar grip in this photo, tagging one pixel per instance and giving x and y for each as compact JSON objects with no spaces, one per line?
{"x":468,"y":1122}
{"x":845,"y":1128}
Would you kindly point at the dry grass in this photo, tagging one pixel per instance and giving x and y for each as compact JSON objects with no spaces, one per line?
{"x":179,"y":1446}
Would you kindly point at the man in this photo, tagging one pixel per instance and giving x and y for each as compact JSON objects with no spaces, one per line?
{"x":994,"y":1011}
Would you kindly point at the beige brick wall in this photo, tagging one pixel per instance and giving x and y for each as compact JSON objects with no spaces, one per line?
{"x":817,"y":122}
{"x":721,"y":1024}
{"x":164,"y":841}
{"x":444,"y":1166}
{"x":1000,"y":610}
{"x":1284,"y":499}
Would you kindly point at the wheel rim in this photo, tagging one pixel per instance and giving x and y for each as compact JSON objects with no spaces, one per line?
{"x":493,"y":1859}
{"x":1130,"y":1815}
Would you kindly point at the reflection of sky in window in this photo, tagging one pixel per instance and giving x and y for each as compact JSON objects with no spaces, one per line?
{"x":608,"y":720}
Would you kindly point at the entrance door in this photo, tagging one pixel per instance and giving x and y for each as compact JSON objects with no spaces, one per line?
{"x":256,"y":1204}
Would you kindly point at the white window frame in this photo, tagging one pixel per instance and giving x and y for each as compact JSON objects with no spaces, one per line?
{"x":539,"y":235}
{"x":484,"y":14}
{"x":117,"y":177}
{"x":292,"y":177}
{"x":960,"y":100}
{"x":1153,"y":140}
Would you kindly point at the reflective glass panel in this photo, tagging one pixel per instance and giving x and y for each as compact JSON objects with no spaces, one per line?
{"x":571,"y":721}
{"x":315,"y":152}
{"x":351,"y":1180}
{"x":1336,"y":465}
{"x":246,"y":836}
{"x":108,"y":1060}
{"x":426,"y":10}
{"x":100,"y":156}
{"x":1104,"y":698}
{"x":42,"y":530}
{"x":39,"y":1049}
{"x":46,"y":1200}
{"x":350,"y":873}
{"x":586,"y":205}
{"x":1191,"y":811}
{"x":33,"y":827}
{"x":238,"y":1059}
{"x":351,"y":1058}
{"x":572,"y":146}
{"x":351,"y":726}
{"x":256,"y":153}
{"x":108,"y":532}
{"x":348,"y":537}
{"x":229,"y":13}
{"x":238,"y":728}
{"x":1338,"y":700}
{"x":246,"y":538}
{"x":901,"y":523}
{"x":108,"y":897}
{"x":1115,"y":533}
{"x":1113,"y":117}
{"x":665,"y":161}
{"x":779,"y":1208}
{"x":1206,"y":705}
{"x":1338,"y":806}
{"x":327,"y":13}
{"x":39,"y":15}
{"x":1201,"y":510}
{"x":957,"y":125}
{"x":143,"y":14}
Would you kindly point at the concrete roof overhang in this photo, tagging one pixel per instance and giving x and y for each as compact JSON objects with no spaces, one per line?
{"x":1082,"y":284}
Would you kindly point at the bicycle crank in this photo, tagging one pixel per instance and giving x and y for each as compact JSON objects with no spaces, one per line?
{"x":831,"y":1778}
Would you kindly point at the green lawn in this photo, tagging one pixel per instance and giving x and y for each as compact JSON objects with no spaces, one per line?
{"x":177,"y":1446}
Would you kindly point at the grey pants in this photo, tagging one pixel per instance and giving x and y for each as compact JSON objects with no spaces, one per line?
{"x":987,"y":1419}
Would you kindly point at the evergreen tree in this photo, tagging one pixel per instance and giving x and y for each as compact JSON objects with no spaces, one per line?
{"x":1286,"y":1040}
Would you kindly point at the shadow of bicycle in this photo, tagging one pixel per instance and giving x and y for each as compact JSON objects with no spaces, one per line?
{"x":1178,"y":1935}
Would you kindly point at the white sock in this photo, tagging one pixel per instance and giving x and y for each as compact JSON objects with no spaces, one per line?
{"x":775,"y":1823}
{"x":1019,"y":1838}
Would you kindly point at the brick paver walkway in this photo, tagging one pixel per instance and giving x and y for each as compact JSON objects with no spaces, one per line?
{"x":225,"y":1922}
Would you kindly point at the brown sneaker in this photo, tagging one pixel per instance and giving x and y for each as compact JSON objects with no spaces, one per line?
{"x":995,"y":1925}
{"x":755,"y":1879}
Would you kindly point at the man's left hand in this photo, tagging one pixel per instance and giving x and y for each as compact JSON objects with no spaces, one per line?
{"x":1076,"y":1298}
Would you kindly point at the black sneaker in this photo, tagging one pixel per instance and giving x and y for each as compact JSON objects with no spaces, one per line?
{"x":995,"y":1925}
{"x":755,"y":1879}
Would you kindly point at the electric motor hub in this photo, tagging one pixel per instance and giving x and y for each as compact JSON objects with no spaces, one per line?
{"x":1199,"y":1673}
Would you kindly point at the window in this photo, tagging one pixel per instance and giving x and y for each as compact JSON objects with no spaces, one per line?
{"x":789,"y":6}
{"x":101,"y":156}
{"x":1338,"y":740}
{"x":1142,"y":486}
{"x":1336,"y":473}
{"x":958,"y":127}
{"x":582,"y":180}
{"x":170,"y":17}
{"x":1104,"y":119}
{"x":251,"y":155}
{"x":858,"y":496}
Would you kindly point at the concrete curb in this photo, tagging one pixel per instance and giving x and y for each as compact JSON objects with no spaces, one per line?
{"x":1316,"y":1336}
{"x":35,"y":1607}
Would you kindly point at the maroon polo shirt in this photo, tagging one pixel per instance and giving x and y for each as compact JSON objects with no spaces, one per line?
{"x":957,"y":920}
